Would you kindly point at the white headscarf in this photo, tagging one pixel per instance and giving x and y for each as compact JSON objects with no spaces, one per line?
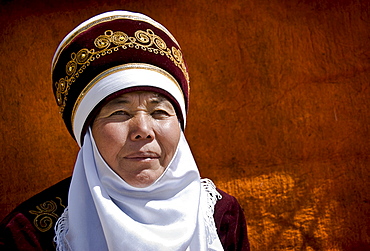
{"x":106,"y":213}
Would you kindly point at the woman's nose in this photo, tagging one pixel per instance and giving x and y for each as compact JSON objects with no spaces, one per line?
{"x":141,"y":128}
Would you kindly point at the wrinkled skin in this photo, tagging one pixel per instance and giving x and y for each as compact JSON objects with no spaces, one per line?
{"x":137,"y":135}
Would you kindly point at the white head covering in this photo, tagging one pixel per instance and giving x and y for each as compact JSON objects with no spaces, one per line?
{"x":106,"y":213}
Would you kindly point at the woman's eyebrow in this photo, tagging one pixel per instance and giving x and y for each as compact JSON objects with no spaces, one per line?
{"x":119,"y":101}
{"x":116,"y":102}
{"x":157,"y":99}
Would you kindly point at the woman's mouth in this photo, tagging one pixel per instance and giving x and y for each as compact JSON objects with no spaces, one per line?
{"x":142,"y":156}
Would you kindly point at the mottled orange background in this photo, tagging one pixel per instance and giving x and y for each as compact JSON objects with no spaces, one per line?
{"x":279,"y":114}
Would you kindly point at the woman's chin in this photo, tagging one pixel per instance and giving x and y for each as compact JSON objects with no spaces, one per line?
{"x":143,"y":178}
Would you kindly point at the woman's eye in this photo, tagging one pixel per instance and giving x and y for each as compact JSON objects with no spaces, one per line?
{"x":160,"y":114}
{"x":119,"y":113}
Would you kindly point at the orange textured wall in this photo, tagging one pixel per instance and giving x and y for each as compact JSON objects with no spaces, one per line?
{"x":279,"y":113}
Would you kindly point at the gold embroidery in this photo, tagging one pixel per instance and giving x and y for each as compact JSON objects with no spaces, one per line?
{"x":45,"y":215}
{"x":109,"y":43}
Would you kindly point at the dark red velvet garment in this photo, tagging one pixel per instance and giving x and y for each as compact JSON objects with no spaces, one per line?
{"x":30,"y":226}
{"x":230,"y":223}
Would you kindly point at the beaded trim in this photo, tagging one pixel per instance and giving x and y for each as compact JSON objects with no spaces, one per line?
{"x":108,"y":43}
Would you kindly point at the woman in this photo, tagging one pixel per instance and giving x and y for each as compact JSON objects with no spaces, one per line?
{"x":122,"y":88}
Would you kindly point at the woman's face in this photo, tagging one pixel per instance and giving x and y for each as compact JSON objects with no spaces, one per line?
{"x":137,"y":135}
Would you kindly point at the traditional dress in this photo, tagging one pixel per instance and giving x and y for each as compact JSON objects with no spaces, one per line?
{"x":107,"y":56}
{"x":30,"y":226}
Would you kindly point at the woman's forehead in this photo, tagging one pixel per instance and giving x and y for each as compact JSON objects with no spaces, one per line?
{"x":146,"y":96}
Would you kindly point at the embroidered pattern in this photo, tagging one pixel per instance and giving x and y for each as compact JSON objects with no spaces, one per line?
{"x":111,"y":42}
{"x":46,"y":215}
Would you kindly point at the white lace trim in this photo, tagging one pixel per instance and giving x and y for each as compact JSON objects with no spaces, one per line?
{"x":212,"y":197}
{"x":61,"y":229}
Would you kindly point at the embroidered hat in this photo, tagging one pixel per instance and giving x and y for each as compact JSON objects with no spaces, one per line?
{"x":114,"y":53}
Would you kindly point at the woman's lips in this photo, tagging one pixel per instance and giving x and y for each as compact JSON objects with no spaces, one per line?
{"x":142,"y":156}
